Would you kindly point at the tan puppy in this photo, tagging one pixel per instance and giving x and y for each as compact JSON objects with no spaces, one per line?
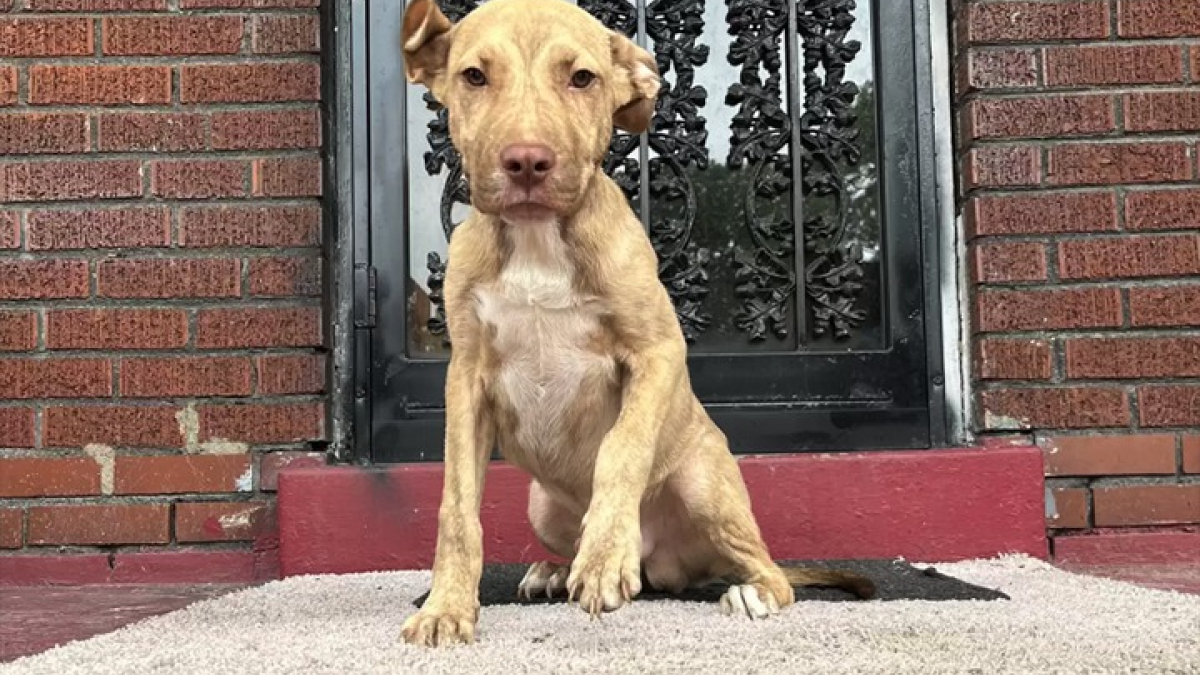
{"x":566,"y":348}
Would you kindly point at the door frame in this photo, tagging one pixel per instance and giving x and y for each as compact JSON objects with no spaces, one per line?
{"x":347,"y":210}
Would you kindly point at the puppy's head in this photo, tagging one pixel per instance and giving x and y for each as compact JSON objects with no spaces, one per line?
{"x":533,"y":89}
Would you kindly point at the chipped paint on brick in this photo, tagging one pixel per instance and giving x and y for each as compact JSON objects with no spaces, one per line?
{"x":189,"y":427}
{"x":245,"y":482}
{"x":106,"y":457}
{"x":236,"y":521}
{"x":992,"y":420}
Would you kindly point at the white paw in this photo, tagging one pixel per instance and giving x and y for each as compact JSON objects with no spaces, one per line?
{"x":544,"y":578}
{"x":745,"y":601}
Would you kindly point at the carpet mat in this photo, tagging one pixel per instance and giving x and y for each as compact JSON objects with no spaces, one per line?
{"x":894,"y":580}
{"x":1054,"y":622}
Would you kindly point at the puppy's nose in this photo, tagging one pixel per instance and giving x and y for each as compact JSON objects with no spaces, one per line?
{"x":526,"y":164}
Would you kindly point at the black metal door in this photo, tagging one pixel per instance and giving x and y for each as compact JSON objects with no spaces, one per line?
{"x":781,"y":184}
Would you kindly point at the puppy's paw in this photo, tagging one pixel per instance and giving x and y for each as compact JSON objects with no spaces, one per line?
{"x":606,"y":573}
{"x":543,"y":578}
{"x":755,"y":601}
{"x":440,"y":626}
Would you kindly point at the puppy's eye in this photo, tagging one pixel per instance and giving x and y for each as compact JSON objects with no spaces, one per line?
{"x":474,"y":77}
{"x":582,"y":79}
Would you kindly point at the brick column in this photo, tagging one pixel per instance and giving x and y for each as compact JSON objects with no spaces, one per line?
{"x":160,"y":276}
{"x":1078,"y":156}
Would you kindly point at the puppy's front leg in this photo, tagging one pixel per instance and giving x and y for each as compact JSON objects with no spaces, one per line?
{"x":606,"y":572}
{"x":452,"y":608}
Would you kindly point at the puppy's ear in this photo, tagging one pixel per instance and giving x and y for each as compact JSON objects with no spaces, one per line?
{"x":637,"y":86}
{"x":426,"y":41}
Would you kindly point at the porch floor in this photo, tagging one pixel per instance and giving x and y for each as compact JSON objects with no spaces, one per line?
{"x":38,"y":618}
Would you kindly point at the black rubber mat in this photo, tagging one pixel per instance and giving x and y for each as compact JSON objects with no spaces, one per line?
{"x":894,"y":580}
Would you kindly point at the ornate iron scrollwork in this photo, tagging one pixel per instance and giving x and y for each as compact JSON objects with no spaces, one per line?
{"x":761,"y":130}
{"x":833,"y":270}
{"x":678,"y":136}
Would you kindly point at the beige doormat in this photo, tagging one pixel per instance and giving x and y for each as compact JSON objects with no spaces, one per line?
{"x":1055,"y":622}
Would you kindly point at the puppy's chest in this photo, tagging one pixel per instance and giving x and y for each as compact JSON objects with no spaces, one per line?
{"x":552,"y":354}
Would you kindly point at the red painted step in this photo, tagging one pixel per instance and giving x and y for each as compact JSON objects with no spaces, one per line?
{"x":926,"y":505}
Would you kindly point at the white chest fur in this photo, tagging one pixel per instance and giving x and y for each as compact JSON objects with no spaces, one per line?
{"x":543,"y":332}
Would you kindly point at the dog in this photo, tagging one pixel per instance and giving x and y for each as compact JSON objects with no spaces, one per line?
{"x":566,"y":348}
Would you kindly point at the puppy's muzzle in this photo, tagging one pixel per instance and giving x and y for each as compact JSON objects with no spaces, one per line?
{"x":527,"y":165}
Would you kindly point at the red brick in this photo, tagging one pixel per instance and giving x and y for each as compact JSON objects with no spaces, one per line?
{"x":169,"y":278}
{"x":172,"y":35}
{"x":96,"y":5}
{"x":99,"y":85}
{"x":273,"y":463}
{"x":1133,"y":357}
{"x":179,"y":474}
{"x":262,"y":423}
{"x":1169,"y":405}
{"x":1162,"y":111}
{"x":1009,"y":262}
{"x":30,"y":477}
{"x":1165,"y":305}
{"x":997,"y":69}
{"x":116,"y":329}
{"x":1002,"y":166}
{"x":18,"y":332}
{"x":220,"y":521}
{"x":1146,"y":505}
{"x":291,"y":177}
{"x":264,"y":130}
{"x":186,"y":376}
{"x":282,"y":33}
{"x":247,"y":4}
{"x":125,"y":426}
{"x":1113,"y":65}
{"x":99,"y":525}
{"x":1044,"y":213}
{"x":255,"y":327}
{"x":248,"y":83}
{"x":91,"y":228}
{"x":45,"y":37}
{"x":1070,"y":508}
{"x":50,"y":181}
{"x":291,"y":374}
{"x":1036,"y":21}
{"x":43,"y":133}
{"x":1048,"y":309}
{"x":1163,"y":209}
{"x":12,"y":528}
{"x":55,"y":378}
{"x":1118,"y":455}
{"x":1129,"y":257}
{"x":10,"y":230}
{"x":8,"y":85}
{"x":153,"y":132}
{"x":43,"y":279}
{"x":250,"y":226}
{"x":1117,"y":163}
{"x":1045,"y":117}
{"x":1191,"y":454}
{"x":16,"y":427}
{"x":1016,"y":359}
{"x":1055,"y":408}
{"x":1158,"y":18}
{"x":198,"y":179}
{"x":285,"y":277}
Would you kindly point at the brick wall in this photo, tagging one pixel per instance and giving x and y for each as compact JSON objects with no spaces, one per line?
{"x":1078,"y":160}
{"x":160,"y":274}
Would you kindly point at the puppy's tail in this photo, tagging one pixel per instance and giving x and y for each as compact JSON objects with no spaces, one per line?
{"x":857,"y":584}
